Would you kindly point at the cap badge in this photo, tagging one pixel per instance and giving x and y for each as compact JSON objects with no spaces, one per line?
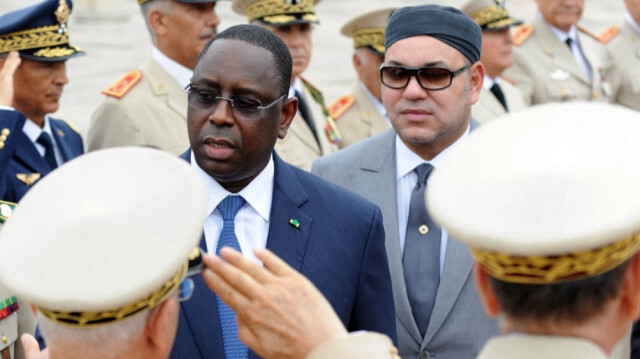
{"x":62,"y":14}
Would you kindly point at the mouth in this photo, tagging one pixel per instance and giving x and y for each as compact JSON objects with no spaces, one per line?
{"x":416,"y":114}
{"x":208,"y":36}
{"x":218,"y":149}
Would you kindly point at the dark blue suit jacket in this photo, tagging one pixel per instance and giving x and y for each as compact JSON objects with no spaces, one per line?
{"x":25,"y":158}
{"x":339,"y":246}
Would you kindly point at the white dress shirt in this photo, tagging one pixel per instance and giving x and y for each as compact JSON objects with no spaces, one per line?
{"x":177,"y":71}
{"x":33,"y":131}
{"x":406,"y":162}
{"x":252,"y":220}
{"x":575,"y":48}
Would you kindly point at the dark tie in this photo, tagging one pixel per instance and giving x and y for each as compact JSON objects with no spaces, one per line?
{"x":421,"y":258}
{"x":568,"y":41}
{"x":497,"y":92}
{"x":306,"y":115}
{"x":233,"y":348}
{"x":49,"y":156}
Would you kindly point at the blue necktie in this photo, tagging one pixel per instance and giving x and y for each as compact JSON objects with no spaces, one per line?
{"x":49,"y":156}
{"x":233,"y":348}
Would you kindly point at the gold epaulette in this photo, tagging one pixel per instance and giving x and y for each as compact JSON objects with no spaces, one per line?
{"x":522,"y":33}
{"x":72,"y":127}
{"x":585,"y":31}
{"x":341,"y":105}
{"x":123,"y":85}
{"x":608,"y":34}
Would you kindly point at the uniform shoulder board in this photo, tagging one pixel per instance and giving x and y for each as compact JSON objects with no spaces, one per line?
{"x":120,"y":88}
{"x":587,"y":32}
{"x":609,"y":34}
{"x":522,"y":33}
{"x":341,"y":105}
{"x":72,"y":127}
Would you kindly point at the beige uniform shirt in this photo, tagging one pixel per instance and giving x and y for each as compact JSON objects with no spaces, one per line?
{"x":623,"y":58}
{"x":13,"y":326}
{"x":299,"y":147}
{"x":357,"y":117}
{"x":153,"y":112}
{"x":488,"y":108}
{"x":545,"y":70}
{"x":523,"y":346}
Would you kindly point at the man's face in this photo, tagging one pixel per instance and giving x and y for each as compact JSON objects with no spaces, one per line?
{"x":497,"y":51}
{"x":38,"y":87}
{"x":561,"y":13}
{"x":367,"y":64}
{"x":188,"y":27}
{"x":232,"y":149}
{"x":428,"y":121}
{"x":297,"y":37}
{"x":633,"y":6}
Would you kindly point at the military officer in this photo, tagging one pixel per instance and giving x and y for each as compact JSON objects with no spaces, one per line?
{"x":623,"y":58}
{"x":361,"y":114}
{"x":497,"y":96}
{"x":312,"y":132}
{"x":148,"y":106}
{"x":34,"y":47}
{"x":557,"y":60}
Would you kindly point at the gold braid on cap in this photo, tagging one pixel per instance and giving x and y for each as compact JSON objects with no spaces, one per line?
{"x":89,"y":319}
{"x":373,"y":37}
{"x":280,"y":12}
{"x":557,"y":269}
{"x":492,"y":17}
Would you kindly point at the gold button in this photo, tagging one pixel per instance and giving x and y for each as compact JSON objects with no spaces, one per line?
{"x":1,"y":145}
{"x":5,"y":340}
{"x":3,"y":138}
{"x":5,"y":132}
{"x":423,"y":229}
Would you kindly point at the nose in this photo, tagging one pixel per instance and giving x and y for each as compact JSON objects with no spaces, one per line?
{"x":213,"y":20}
{"x":414,"y":91}
{"x":222,"y":113}
{"x":60,"y":73}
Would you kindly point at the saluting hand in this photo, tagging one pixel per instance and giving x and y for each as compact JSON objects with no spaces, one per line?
{"x":7,"y":70}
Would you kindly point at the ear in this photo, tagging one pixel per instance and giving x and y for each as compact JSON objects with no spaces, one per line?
{"x":476,"y":78}
{"x":158,"y":22}
{"x":161,"y":327}
{"x":630,"y":292}
{"x":487,"y":295}
{"x":289,"y":110}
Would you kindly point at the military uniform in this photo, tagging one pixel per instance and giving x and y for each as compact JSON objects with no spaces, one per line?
{"x":545,"y":69}
{"x":525,"y":346}
{"x":623,"y":60}
{"x":299,"y":147}
{"x":488,"y":107}
{"x":357,"y":117}
{"x":147,"y":107}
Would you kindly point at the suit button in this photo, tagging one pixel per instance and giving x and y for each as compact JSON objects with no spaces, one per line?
{"x":5,"y":132}
{"x":425,"y":355}
{"x":5,"y":340}
{"x":1,"y":145}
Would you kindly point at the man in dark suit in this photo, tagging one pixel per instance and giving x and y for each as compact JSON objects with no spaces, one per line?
{"x":238,"y":108}
{"x":431,"y":76}
{"x":44,"y":142}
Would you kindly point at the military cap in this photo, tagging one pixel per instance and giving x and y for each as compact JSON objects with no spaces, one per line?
{"x":104,"y":236}
{"x":39,"y":32}
{"x":278,"y":12}
{"x":142,"y":2}
{"x":367,"y":30}
{"x":489,"y":14}
{"x":548,"y":195}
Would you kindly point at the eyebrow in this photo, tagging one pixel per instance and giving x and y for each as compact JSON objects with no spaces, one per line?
{"x":207,"y":83}
{"x":428,"y":64}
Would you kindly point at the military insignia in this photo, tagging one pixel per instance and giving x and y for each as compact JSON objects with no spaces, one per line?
{"x":522,"y":33}
{"x":123,"y":85}
{"x":559,"y":75}
{"x":341,"y":105}
{"x":294,"y":223}
{"x":59,"y":132}
{"x":609,"y":34}
{"x":28,"y":178}
{"x":331,"y":129}
{"x":6,"y":210}
{"x":62,"y":15}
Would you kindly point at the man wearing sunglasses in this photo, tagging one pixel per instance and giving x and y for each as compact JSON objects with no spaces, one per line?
{"x":430,"y":78}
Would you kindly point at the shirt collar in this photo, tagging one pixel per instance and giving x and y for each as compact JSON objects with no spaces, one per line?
{"x":297,"y":85}
{"x":33,"y":131}
{"x":376,"y":103}
{"x":177,"y":71}
{"x":488,"y":82}
{"x":562,"y":36}
{"x":408,"y":160}
{"x":258,"y":193}
{"x":632,"y":22}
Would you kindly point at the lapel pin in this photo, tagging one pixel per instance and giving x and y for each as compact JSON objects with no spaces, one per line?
{"x":423,"y":229}
{"x":295,"y":223}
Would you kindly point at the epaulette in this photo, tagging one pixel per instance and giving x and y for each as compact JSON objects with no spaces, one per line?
{"x":120,"y":88}
{"x":341,"y":105}
{"x":608,"y":34}
{"x":584,"y":30}
{"x":6,"y":210}
{"x":72,"y":127}
{"x":522,"y":33}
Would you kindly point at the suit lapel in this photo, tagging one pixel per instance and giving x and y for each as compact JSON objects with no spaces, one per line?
{"x":491,"y":103}
{"x":284,"y":239}
{"x":300,"y":129}
{"x":457,"y":266}
{"x":63,"y":145}
{"x":164,"y":85}
{"x":28,"y":156}
{"x":371,"y":118}
{"x":379,"y":171}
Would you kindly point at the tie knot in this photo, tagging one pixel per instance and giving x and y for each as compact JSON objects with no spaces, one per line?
{"x":568,"y":41}
{"x":230,"y":206}
{"x":423,"y":171}
{"x":45,"y":140}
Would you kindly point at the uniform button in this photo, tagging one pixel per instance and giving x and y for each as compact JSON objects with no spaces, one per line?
{"x":1,"y":145}
{"x":425,"y":355}
{"x":5,"y":340}
{"x":5,"y":131}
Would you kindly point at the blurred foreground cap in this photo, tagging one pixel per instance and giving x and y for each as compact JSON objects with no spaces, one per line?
{"x":367,"y":30}
{"x":104,"y":236}
{"x":278,"y":12}
{"x":489,"y":14}
{"x":545,"y":195}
